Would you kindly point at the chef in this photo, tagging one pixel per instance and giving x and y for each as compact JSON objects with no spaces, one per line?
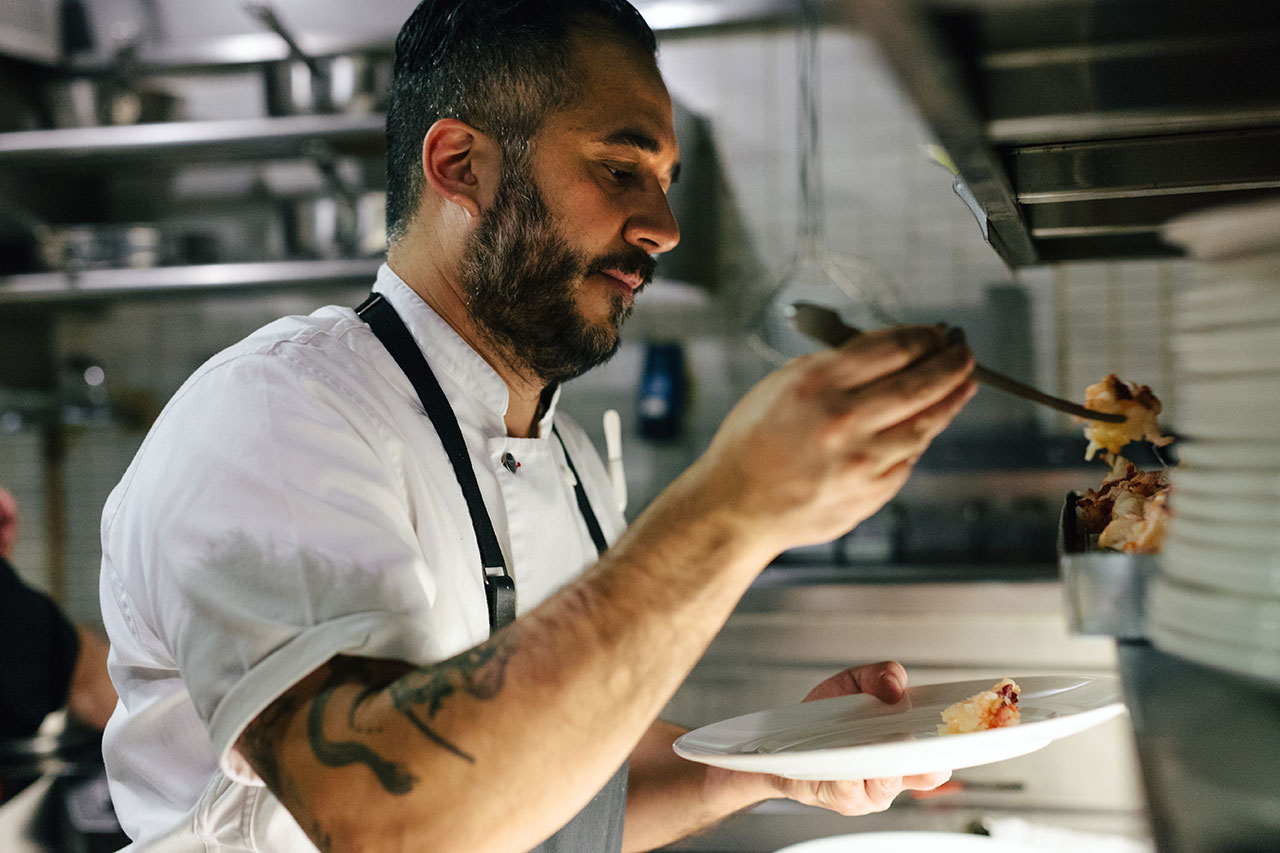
{"x":366,"y":587}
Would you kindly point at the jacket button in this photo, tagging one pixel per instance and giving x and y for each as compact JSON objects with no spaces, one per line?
{"x":509,"y":462}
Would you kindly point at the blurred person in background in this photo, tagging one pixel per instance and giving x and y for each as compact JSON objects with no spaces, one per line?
{"x":46,"y":662}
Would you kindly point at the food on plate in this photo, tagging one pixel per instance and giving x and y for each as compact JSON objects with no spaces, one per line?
{"x":1129,"y":511}
{"x":990,"y":709}
{"x":1139,"y":407}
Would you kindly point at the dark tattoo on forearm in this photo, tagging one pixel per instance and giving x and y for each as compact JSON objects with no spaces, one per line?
{"x":419,"y":695}
{"x":478,"y":672}
{"x":393,"y":777}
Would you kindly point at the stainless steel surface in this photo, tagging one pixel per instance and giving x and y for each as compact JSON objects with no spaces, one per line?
{"x":1082,"y":126}
{"x":825,"y":326}
{"x":93,"y":285}
{"x":183,"y":142}
{"x":1209,"y":745}
{"x":1106,"y":591}
{"x":29,"y":29}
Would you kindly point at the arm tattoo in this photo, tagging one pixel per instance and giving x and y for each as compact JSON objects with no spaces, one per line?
{"x":478,"y":672}
{"x":394,"y":777}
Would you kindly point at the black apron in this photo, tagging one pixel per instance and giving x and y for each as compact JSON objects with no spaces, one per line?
{"x":598,"y":827}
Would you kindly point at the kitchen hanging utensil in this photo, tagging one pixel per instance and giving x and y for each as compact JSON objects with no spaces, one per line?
{"x":860,"y":291}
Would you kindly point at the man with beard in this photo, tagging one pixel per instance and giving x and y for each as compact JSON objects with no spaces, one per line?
{"x":365,"y":586}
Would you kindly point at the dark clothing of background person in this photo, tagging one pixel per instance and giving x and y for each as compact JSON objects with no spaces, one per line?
{"x":38,"y":650}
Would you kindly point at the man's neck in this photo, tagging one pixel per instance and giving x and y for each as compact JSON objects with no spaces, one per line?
{"x":442,"y":292}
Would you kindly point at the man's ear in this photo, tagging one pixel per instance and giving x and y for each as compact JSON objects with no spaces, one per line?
{"x":461,"y":164}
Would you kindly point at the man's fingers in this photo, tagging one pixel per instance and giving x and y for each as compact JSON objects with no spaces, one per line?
{"x":926,"y":781}
{"x":908,"y":439}
{"x":885,"y":680}
{"x":901,"y":396}
{"x":883,"y":352}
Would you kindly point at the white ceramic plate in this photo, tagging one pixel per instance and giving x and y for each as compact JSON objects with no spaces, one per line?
{"x":1245,"y":484}
{"x":1244,"y":659}
{"x":1220,"y":508}
{"x":1248,"y":418}
{"x":1252,"y":455}
{"x":1250,"y":299}
{"x":1233,"y":351}
{"x":1220,"y":566}
{"x":1231,"y":391}
{"x":1233,"y":535}
{"x":1218,"y":615}
{"x":859,"y":737}
{"x":905,"y":842}
{"x":1229,"y":231}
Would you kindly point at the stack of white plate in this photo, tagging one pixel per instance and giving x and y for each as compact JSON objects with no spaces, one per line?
{"x":1217,"y":600}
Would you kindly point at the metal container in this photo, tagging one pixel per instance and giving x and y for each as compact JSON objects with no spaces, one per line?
{"x":336,"y":225}
{"x":1106,"y":591}
{"x":346,"y":83}
{"x":74,"y":248}
{"x":304,"y":83}
{"x":90,"y":102}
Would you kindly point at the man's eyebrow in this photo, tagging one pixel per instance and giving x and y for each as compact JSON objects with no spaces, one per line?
{"x":642,"y":141}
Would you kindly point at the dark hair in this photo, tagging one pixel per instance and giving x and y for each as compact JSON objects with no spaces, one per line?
{"x":499,"y":65}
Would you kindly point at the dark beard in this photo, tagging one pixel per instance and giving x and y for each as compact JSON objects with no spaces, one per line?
{"x":522,"y":277}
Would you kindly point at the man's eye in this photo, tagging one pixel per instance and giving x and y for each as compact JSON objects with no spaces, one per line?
{"x":620,"y":175}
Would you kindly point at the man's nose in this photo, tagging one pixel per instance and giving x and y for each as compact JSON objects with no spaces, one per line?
{"x":652,"y":227}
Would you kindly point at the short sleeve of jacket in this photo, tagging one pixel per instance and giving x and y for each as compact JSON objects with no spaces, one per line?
{"x":267,"y":525}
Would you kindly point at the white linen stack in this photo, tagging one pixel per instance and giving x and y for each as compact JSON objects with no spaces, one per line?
{"x":1217,"y":599}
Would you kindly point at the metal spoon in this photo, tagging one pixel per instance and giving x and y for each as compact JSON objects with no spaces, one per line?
{"x":825,"y":326}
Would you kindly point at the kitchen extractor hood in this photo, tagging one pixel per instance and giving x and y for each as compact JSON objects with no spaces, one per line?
{"x":1082,"y":126}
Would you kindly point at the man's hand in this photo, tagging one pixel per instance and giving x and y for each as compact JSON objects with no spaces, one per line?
{"x":8,"y":523}
{"x":886,"y":681}
{"x":823,"y":443}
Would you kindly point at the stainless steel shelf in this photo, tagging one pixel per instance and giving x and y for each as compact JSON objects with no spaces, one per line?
{"x":183,"y":142}
{"x":1083,"y":126}
{"x":100,"y":285}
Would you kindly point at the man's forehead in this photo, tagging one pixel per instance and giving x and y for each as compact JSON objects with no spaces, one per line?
{"x":623,"y":99}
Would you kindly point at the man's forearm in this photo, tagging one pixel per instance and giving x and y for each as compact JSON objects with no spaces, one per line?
{"x":669,"y":798}
{"x":458,"y":755}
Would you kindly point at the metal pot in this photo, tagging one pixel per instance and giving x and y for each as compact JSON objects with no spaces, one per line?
{"x":115,"y":97}
{"x":87,"y":102}
{"x":346,"y":83}
{"x":305,"y":84}
{"x":75,"y":248}
{"x":336,"y":225}
{"x":79,"y":247}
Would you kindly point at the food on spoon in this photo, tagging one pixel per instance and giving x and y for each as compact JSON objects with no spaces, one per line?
{"x":1130,"y":510}
{"x":990,"y":709}
{"x":1139,"y":407}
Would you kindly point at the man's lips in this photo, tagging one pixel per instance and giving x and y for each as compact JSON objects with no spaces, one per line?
{"x":631,"y":281}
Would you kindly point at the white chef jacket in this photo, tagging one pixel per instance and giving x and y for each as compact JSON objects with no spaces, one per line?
{"x":292,"y":503}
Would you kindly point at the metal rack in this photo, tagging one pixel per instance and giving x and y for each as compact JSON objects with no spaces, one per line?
{"x":96,"y":285}
{"x":188,"y":141}
{"x":1082,"y":126}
